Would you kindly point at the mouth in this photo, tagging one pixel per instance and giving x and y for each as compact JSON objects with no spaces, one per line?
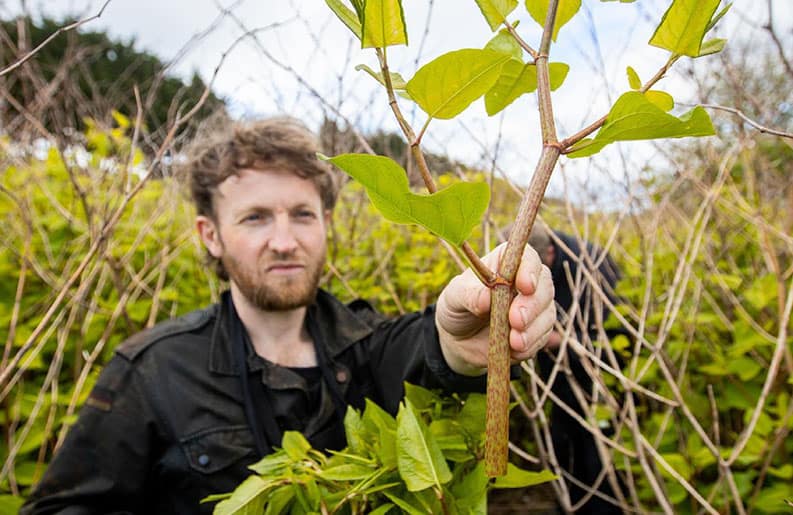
{"x":285,"y":268}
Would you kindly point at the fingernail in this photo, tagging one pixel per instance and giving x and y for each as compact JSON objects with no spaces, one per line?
{"x":526,"y":342}
{"x":524,"y":315}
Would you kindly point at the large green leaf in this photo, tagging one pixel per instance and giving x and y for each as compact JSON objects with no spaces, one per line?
{"x":538,"y":9}
{"x":419,"y":458}
{"x":519,"y":478}
{"x":517,"y":79}
{"x":450,"y":213}
{"x":634,"y":117}
{"x":247,"y":499}
{"x":383,"y":24}
{"x":684,"y":25}
{"x":448,"y":84}
{"x":496,"y":11}
{"x":346,"y":15}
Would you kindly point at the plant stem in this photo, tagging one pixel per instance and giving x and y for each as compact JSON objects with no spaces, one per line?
{"x":482,"y":271}
{"x":498,"y":356}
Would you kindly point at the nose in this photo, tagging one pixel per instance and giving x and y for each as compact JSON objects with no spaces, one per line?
{"x":282,"y":240}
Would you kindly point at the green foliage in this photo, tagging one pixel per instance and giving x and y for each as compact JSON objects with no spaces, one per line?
{"x":448,"y":84}
{"x":383,"y":24}
{"x":684,"y":25}
{"x":53,"y":208}
{"x":635,"y":116}
{"x":450,"y":213}
{"x":538,"y":9}
{"x":426,"y":460}
{"x":496,"y":11}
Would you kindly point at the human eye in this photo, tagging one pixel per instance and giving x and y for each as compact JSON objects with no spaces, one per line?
{"x":304,"y":215}
{"x":252,"y":218}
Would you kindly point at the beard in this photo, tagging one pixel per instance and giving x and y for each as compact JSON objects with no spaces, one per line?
{"x":276,"y":293}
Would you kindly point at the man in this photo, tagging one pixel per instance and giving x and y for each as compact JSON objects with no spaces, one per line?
{"x":574,"y":445}
{"x":182,"y":409}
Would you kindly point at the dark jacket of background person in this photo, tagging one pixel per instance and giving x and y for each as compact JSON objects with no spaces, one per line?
{"x":574,"y":446}
{"x":166,"y":416}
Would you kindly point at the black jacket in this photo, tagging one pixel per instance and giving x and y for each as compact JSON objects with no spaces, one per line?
{"x":164,"y":425}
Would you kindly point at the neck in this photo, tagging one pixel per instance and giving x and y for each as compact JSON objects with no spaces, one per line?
{"x":277,"y":336}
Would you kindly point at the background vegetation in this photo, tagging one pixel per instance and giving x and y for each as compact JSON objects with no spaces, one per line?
{"x":98,"y":243}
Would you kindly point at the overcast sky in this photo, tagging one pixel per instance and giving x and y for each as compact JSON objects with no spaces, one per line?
{"x":312,"y":44}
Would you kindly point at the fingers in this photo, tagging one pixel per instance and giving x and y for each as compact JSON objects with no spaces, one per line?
{"x":528,"y":276}
{"x":525,"y":344}
{"x":463,"y":296}
{"x":531,"y":316}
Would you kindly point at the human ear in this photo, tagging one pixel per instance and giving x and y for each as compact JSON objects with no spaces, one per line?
{"x":210,"y":235}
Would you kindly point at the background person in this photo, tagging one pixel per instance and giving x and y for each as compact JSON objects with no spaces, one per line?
{"x":574,"y":446}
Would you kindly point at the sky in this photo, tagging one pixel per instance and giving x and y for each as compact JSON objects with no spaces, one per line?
{"x":298,"y":59}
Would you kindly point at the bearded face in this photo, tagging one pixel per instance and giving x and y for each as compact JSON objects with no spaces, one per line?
{"x":270,"y":234}
{"x":279,"y":281}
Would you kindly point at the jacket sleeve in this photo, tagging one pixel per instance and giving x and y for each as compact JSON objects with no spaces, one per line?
{"x":102,"y":465}
{"x":407,"y":349}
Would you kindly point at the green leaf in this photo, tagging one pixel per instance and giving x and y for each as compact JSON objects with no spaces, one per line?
{"x":538,"y":9}
{"x":382,"y":509}
{"x":470,"y":492}
{"x":403,"y":504}
{"x":634,"y":117}
{"x":662,"y":99}
{"x":420,"y":460}
{"x":353,"y":428}
{"x":450,"y":213}
{"x":472,"y":416}
{"x":517,"y":79}
{"x":420,"y":397}
{"x":633,"y":78}
{"x":451,"y":440}
{"x":295,"y":445}
{"x":346,"y":472}
{"x":346,"y":15}
{"x":504,"y":42}
{"x":247,"y":499}
{"x":783,"y":472}
{"x":684,"y":25}
{"x":746,"y":368}
{"x":397,"y":82}
{"x":10,"y":503}
{"x":383,"y":24}
{"x":448,"y":84}
{"x":713,"y":21}
{"x":712,"y":46}
{"x":271,"y":464}
{"x":677,"y":462}
{"x":279,"y":499}
{"x":519,"y":478}
{"x":774,"y":498}
{"x":496,"y":11}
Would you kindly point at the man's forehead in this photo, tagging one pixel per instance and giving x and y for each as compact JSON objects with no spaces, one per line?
{"x":262,"y":187}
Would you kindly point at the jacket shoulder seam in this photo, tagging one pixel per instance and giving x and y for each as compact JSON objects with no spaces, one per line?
{"x":138,"y":343}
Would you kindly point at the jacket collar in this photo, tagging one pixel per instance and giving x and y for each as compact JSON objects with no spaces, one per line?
{"x":338,"y":325}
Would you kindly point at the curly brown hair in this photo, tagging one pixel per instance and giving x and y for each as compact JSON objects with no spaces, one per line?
{"x":281,"y":143}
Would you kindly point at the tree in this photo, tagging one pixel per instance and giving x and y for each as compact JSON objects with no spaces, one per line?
{"x":86,"y":74}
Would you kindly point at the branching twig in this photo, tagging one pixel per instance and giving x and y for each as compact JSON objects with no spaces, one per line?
{"x":52,"y":36}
